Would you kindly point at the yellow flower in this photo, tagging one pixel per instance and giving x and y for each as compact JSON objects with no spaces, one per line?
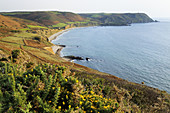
{"x":59,"y":107}
{"x":92,"y":107}
{"x":81,"y":102}
{"x":77,"y":107}
{"x":105,"y":107}
{"x":31,"y":69}
{"x":77,"y":81}
{"x":81,"y":96}
{"x":53,"y":88}
{"x":26,"y":76}
{"x":66,"y":80}
{"x":68,"y":92}
{"x":91,"y":92}
{"x":63,"y":103}
{"x":49,"y":101}
{"x":69,"y":106}
{"x":72,"y":93}
{"x":66,"y":96}
{"x":39,"y":89}
{"x":91,"y":111}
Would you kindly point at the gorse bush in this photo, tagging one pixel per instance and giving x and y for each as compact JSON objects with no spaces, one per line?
{"x":37,"y":38}
{"x":47,"y":88}
{"x":15,"y":53}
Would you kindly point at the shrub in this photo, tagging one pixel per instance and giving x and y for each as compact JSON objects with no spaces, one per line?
{"x":15,"y":53}
{"x":45,"y":89}
{"x":28,"y":65}
{"x":37,"y":38}
{"x":2,"y":64}
{"x":15,"y":31}
{"x":3,"y":59}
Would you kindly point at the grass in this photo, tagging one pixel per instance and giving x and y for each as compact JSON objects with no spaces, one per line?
{"x":9,"y":46}
{"x":13,"y":39}
{"x":42,"y":54}
{"x":96,"y":16}
{"x":60,"y":25}
{"x":15,"y":13}
{"x":77,"y":22}
{"x":25,"y":35}
{"x":32,"y":26}
{"x":55,"y":12}
{"x":24,"y":29}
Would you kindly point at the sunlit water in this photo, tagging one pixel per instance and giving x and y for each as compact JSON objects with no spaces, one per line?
{"x":138,"y":53}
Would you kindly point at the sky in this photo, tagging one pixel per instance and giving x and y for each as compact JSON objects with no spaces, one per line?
{"x":154,"y":8}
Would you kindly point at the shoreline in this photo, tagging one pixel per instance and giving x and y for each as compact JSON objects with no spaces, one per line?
{"x":54,"y":36}
{"x":57,"y":48}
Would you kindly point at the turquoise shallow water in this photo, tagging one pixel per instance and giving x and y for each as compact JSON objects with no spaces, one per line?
{"x":138,"y":53}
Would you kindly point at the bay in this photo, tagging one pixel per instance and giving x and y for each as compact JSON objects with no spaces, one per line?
{"x":137,"y":53}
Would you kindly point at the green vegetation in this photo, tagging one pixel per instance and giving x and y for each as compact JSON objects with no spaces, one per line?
{"x":47,"y":18}
{"x":60,"y":25}
{"x":37,"y":38}
{"x":53,"y":88}
{"x":15,"y":53}
{"x":113,"y":19}
{"x":47,"y":88}
{"x":55,"y":12}
{"x":32,"y":26}
{"x":96,"y":16}
{"x":13,"y":39}
{"x":15,"y":13}
{"x":25,"y":29}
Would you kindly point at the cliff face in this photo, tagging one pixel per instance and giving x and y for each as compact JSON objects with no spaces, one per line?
{"x":118,"y":19}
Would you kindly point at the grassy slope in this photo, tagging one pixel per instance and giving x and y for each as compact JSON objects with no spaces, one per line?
{"x":47,"y":18}
{"x":142,"y":96}
{"x":118,"y":19}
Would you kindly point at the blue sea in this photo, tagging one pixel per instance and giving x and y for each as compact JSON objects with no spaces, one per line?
{"x":137,"y":53}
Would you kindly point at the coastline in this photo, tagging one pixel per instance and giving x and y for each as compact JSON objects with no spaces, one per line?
{"x":54,"y":36}
{"x":57,"y":48}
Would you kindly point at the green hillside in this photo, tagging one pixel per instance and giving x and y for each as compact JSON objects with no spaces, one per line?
{"x":118,"y":19}
{"x":56,"y":18}
{"x":47,"y":17}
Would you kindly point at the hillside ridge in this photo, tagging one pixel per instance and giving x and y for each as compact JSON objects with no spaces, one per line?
{"x":52,"y":18}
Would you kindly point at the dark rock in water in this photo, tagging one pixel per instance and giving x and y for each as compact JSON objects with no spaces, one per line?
{"x":62,"y":45}
{"x":74,"y":57}
{"x":156,"y":21}
{"x":87,"y":59}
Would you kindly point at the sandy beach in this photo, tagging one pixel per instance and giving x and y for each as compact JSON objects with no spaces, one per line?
{"x":57,"y":48}
{"x":54,"y":36}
